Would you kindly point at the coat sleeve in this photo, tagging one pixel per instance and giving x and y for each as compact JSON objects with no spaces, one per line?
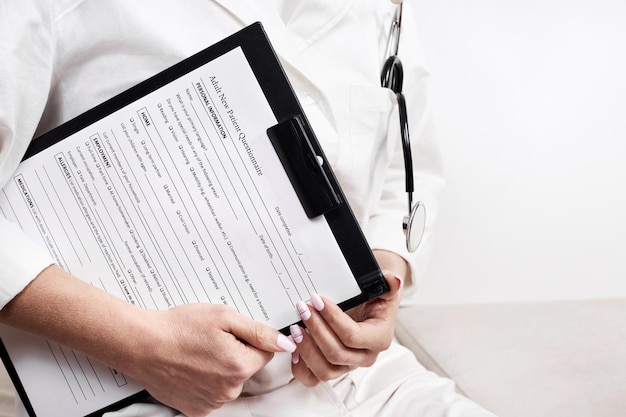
{"x":26,"y":55}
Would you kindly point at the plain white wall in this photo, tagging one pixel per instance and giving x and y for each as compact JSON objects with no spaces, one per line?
{"x":530,"y":106}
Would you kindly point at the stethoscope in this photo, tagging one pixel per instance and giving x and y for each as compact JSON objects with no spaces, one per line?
{"x":391,"y":77}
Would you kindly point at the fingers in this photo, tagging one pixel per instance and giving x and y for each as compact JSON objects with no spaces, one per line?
{"x":372,"y":330}
{"x":191,"y":402}
{"x":259,"y":335}
{"x":326,"y":354}
{"x":392,"y":264}
{"x":396,"y":283}
{"x":336,"y":342}
{"x":331,"y":328}
{"x":201,"y":355}
{"x":299,"y":368}
{"x":310,"y":365}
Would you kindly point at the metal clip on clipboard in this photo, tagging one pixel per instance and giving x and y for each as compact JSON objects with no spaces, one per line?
{"x":303,"y":167}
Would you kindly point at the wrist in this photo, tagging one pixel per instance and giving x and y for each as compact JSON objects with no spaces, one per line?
{"x":66,"y":310}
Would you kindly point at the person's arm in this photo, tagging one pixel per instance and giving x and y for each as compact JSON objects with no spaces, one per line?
{"x":193,"y":358}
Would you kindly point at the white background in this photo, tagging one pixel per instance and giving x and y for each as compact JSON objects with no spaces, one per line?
{"x":530,"y":107}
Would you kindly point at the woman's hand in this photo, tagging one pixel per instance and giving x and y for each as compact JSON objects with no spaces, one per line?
{"x":336,"y":342}
{"x":202,"y":356}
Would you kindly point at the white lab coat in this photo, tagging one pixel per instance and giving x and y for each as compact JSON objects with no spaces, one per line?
{"x":62,"y":57}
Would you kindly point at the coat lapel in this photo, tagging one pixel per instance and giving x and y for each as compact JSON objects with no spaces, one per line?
{"x":311,"y":20}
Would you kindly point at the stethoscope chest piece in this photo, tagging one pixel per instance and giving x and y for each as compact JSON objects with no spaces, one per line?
{"x":414,"y":226}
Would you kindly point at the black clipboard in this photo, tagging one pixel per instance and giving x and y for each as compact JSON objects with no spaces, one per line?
{"x":294,"y":142}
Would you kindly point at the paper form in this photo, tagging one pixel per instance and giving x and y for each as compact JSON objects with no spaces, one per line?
{"x":176,"y":198}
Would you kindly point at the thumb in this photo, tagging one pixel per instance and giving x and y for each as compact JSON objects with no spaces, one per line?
{"x":395,"y":284}
{"x":260,"y":335}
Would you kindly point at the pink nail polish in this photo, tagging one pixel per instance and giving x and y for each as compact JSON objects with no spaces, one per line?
{"x":400,"y":281}
{"x":295,"y":357}
{"x":296,"y":333}
{"x":285,"y":343}
{"x":303,"y":310}
{"x":317,"y":302}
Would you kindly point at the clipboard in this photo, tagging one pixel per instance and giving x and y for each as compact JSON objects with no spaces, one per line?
{"x":295,"y":144}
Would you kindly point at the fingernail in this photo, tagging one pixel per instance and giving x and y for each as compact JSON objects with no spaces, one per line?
{"x":296,"y":333}
{"x":303,"y":310}
{"x":285,"y":343}
{"x":317,"y":302}
{"x":295,"y":357}
{"x":400,"y":281}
